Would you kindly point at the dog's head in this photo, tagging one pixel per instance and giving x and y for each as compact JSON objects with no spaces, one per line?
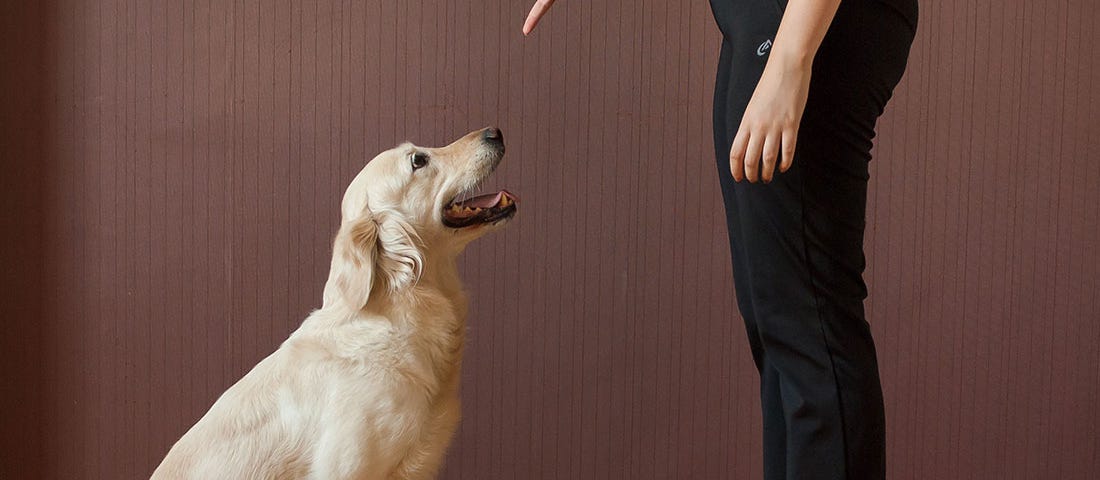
{"x":411,"y":200}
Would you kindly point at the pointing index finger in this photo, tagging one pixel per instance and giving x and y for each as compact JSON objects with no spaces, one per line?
{"x":537,"y":11}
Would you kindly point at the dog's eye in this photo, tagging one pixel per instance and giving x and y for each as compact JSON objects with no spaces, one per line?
{"x":419,"y":160}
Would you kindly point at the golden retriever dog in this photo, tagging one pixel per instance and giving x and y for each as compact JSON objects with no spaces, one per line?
{"x":367,"y":387}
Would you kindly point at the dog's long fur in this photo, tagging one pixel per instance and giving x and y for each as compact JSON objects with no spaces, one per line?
{"x":367,"y":387}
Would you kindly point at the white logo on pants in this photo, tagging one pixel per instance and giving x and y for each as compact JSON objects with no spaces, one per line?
{"x":763,"y":48}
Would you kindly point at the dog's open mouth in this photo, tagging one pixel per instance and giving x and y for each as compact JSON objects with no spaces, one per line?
{"x":479,"y":210}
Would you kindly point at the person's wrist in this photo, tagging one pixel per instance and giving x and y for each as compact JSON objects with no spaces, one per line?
{"x":792,"y":60}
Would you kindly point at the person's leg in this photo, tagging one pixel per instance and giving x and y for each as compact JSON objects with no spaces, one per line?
{"x":775,"y":436}
{"x":797,"y":247}
{"x":857,"y":67}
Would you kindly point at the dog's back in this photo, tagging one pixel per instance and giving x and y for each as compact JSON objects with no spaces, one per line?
{"x":246,"y":433}
{"x":316,"y":409}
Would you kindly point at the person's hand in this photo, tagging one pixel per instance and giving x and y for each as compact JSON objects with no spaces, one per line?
{"x":769,"y":128}
{"x":537,"y":11}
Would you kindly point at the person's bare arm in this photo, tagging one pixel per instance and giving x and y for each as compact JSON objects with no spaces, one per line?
{"x":769,"y":128}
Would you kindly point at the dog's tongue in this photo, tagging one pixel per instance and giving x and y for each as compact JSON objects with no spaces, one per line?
{"x":488,"y":200}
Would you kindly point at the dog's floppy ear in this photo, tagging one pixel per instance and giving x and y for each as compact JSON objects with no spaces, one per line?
{"x":378,"y":250}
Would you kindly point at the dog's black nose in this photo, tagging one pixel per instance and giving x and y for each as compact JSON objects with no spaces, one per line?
{"x":492,"y":135}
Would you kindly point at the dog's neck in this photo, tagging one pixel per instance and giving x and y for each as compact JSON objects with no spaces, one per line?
{"x":439,"y":275}
{"x":429,"y":316}
{"x":438,"y":282}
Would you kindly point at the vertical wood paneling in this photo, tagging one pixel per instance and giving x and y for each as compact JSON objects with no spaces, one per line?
{"x":173,"y":170}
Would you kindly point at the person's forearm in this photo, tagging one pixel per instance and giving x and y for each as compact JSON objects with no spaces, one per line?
{"x":800,"y":32}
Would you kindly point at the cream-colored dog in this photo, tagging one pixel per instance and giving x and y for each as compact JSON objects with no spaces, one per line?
{"x":367,"y":387}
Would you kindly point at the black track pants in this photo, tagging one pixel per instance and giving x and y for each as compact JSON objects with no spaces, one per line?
{"x":797,"y":243}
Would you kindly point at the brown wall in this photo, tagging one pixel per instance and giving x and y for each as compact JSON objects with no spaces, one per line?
{"x":172,"y":170}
